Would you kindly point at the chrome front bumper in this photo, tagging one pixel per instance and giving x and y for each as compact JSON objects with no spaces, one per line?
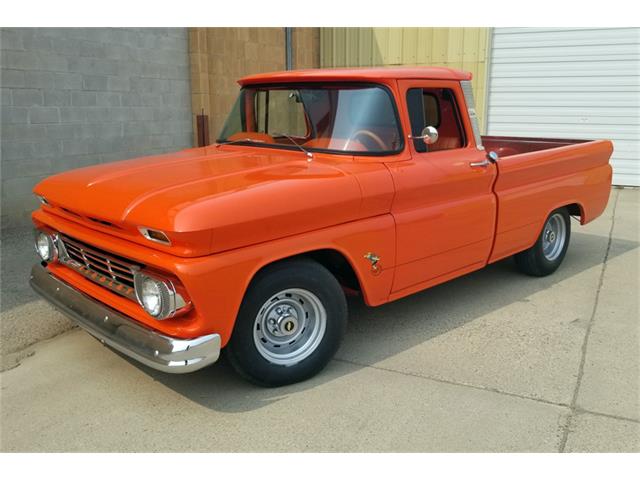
{"x":168,"y":354}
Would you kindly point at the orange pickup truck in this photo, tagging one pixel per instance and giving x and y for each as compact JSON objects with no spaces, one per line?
{"x":321,"y":182}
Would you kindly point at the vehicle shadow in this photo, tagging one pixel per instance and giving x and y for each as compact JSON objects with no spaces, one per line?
{"x":390,"y":329}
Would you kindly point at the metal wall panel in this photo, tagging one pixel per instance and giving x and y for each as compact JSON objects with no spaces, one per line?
{"x":571,"y":83}
{"x":461,"y":48}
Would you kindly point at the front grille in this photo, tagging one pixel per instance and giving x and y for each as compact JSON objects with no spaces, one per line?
{"x":108,"y":270}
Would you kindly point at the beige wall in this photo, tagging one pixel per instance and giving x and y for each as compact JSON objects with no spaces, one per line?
{"x":220,"y":56}
{"x":461,"y":48}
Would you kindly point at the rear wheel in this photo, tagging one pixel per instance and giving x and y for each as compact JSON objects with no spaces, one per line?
{"x":290,"y":324}
{"x":546,"y":255}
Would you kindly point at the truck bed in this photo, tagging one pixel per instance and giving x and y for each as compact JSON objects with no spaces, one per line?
{"x":538,"y":175}
{"x":508,"y":146}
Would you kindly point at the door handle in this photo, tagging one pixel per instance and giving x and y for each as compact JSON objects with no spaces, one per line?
{"x":483,"y":163}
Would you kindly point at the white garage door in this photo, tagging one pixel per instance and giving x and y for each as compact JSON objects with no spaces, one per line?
{"x":569,"y":83}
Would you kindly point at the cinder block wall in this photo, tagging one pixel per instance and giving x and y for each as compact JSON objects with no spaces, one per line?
{"x":73,"y":97}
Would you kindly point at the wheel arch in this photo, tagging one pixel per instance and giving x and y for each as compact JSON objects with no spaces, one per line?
{"x":573,"y":208}
{"x":337,"y":262}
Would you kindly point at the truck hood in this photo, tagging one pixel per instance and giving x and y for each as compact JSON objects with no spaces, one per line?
{"x":209,"y":199}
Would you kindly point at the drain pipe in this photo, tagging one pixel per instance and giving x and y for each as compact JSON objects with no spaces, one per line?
{"x":288,"y":46}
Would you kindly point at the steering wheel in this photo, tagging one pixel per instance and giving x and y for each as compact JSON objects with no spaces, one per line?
{"x":367,"y":133}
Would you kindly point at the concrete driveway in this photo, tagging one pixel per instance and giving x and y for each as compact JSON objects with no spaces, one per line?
{"x":493,"y":361}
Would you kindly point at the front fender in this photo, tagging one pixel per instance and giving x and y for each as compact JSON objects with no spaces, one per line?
{"x":217,"y":284}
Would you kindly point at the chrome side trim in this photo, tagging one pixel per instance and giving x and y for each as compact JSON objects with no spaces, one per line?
{"x":158,"y":351}
{"x":471,"y":109}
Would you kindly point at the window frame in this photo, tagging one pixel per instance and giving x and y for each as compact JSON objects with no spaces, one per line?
{"x":464,"y":141}
{"x":303,"y":85}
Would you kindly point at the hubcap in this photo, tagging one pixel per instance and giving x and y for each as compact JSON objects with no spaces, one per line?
{"x":554,"y":237}
{"x":289,"y":326}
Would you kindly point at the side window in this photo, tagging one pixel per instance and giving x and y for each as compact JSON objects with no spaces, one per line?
{"x":435,"y":107}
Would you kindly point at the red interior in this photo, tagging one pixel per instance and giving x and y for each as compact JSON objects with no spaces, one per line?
{"x":449,"y":133}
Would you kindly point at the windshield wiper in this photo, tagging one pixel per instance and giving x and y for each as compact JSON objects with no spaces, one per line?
{"x":306,"y":152}
{"x":238,"y":140}
{"x":275,"y":134}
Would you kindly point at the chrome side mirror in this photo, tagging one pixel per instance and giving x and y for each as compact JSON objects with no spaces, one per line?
{"x":492,"y":156}
{"x":429,"y":135}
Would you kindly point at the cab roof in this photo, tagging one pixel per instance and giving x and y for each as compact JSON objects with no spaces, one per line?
{"x":356,"y":74}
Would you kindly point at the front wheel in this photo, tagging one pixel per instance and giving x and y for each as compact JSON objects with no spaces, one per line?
{"x":290,"y":324}
{"x":546,"y":255}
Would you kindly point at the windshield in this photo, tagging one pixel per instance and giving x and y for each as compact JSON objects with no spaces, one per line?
{"x":354,"y":119}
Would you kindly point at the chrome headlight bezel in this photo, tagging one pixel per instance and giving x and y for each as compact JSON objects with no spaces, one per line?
{"x":169,"y":301}
{"x":48,"y":241}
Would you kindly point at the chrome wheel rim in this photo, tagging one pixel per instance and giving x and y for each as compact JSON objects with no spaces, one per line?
{"x":553,"y":237}
{"x":289,"y":326}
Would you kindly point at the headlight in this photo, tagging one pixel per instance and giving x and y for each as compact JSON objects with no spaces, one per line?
{"x":157,"y":297}
{"x":46,"y":246}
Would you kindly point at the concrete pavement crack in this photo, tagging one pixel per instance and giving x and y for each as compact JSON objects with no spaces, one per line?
{"x":457,"y":384}
{"x":573,"y":406}
{"x":579,"y":411}
{"x":574,"y":411}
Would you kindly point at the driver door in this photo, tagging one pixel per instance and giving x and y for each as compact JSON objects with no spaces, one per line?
{"x":444,"y":208}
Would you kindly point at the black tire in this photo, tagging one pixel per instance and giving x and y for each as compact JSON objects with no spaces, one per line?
{"x":302,"y":275}
{"x":533,"y":261}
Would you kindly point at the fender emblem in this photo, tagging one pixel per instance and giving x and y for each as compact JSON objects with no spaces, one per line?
{"x":374,"y":259}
